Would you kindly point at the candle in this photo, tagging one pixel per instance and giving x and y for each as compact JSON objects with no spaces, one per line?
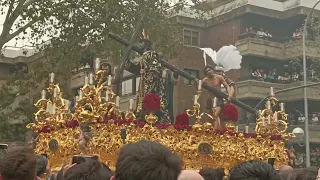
{"x":237,"y":128}
{"x":90,"y":78}
{"x":215,"y":102}
{"x":107,"y":95}
{"x":43,"y":94}
{"x":246,"y":129}
{"x":268,"y":105}
{"x":282,"y":107}
{"x":55,"y":92}
{"x":195,"y":100}
{"x":66,"y":104}
{"x":51,"y":77}
{"x":86,"y":79}
{"x":131,"y":104}
{"x":53,"y":109}
{"x":199,"y":85}
{"x":269,"y":119}
{"x":109,"y":80}
{"x":80,"y":94}
{"x":48,"y":110}
{"x":97,"y":63}
{"x":77,"y":98}
{"x":276,"y":117}
{"x":263,"y":122}
{"x":117,"y":101}
{"x":271,"y":91}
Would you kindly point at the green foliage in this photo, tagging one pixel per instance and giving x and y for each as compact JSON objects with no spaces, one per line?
{"x":312,"y":42}
{"x":67,"y":30}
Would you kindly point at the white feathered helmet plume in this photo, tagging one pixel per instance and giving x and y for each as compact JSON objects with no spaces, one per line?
{"x":227,"y":58}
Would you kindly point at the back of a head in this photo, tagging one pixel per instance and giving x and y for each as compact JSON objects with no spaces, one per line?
{"x":189,"y":175}
{"x":287,"y":175}
{"x":310,"y":173}
{"x":19,"y":164}
{"x":147,"y":160}
{"x":254,"y":170}
{"x":209,"y":174}
{"x":285,"y":168}
{"x":89,"y":170}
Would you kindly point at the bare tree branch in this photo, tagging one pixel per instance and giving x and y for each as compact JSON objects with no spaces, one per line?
{"x":8,"y":37}
{"x":28,"y":3}
{"x":14,"y":15}
{"x":10,"y":9}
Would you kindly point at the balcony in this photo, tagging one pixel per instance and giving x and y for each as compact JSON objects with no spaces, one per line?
{"x":250,"y":46}
{"x":252,"y":89}
{"x":294,"y":49}
{"x":274,"y":48}
{"x":77,"y":78}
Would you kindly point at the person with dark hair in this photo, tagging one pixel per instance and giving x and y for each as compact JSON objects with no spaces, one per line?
{"x":212,"y":174}
{"x":107,"y":67}
{"x":215,"y":81}
{"x":89,"y":170}
{"x":42,"y":166}
{"x":254,"y":170}
{"x":208,"y":174}
{"x":311,"y":173}
{"x":287,"y":175}
{"x":147,"y":160}
{"x":19,"y":164}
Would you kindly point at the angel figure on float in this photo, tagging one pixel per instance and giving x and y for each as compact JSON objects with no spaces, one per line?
{"x":226,"y":59}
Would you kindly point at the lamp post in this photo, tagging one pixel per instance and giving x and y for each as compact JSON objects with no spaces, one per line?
{"x":305,"y":83}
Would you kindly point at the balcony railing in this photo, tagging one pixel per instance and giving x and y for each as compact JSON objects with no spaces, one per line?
{"x":275,"y":48}
{"x":252,"y":89}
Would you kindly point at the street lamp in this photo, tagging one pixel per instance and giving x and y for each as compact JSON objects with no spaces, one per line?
{"x":305,"y":83}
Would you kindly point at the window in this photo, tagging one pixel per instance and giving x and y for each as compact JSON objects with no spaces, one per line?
{"x":127,"y":87}
{"x":191,"y":38}
{"x":192,"y":72}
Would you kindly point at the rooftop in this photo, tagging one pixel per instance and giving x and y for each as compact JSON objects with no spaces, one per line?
{"x":279,"y":8}
{"x":12,"y":55}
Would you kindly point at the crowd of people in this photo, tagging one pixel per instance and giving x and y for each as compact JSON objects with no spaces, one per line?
{"x":143,"y":160}
{"x":300,"y":118}
{"x":261,"y":33}
{"x":273,"y":76}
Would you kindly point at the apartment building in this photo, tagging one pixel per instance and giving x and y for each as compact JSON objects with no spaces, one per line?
{"x":229,"y":22}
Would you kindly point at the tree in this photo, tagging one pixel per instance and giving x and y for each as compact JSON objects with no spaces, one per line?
{"x":67,"y":30}
{"x":312,"y":44}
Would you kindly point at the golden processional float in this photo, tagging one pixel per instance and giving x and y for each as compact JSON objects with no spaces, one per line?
{"x":61,"y":134}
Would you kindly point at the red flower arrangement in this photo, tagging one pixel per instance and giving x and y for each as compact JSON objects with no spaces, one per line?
{"x":72,"y":124}
{"x":46,"y":129}
{"x":151,"y":102}
{"x":182,"y":119}
{"x":229,"y":112}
